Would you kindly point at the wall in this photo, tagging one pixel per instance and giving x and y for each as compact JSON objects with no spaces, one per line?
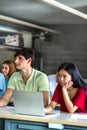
{"x":6,"y":54}
{"x":69,"y":47}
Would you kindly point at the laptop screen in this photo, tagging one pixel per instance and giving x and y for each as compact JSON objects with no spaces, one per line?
{"x":30,"y":103}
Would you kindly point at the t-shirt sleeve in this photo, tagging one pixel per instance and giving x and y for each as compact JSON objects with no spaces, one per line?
{"x":79,"y":99}
{"x":2,"y":82}
{"x":42,"y":82}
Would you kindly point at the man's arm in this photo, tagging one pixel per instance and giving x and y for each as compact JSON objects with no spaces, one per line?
{"x":6,"y":97}
{"x":45,"y":97}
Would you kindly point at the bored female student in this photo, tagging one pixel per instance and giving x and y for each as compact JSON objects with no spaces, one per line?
{"x":70,"y":92}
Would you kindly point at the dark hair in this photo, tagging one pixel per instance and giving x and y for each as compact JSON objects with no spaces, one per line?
{"x":72,"y":69}
{"x":26,"y":52}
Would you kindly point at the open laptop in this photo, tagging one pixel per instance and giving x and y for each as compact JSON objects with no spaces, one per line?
{"x":30,"y":103}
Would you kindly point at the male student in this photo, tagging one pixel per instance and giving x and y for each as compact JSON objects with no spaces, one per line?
{"x":26,"y":78}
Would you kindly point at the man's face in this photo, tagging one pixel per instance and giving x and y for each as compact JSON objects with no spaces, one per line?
{"x":20,"y":62}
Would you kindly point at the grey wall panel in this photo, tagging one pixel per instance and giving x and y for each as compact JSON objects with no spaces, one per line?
{"x":6,"y":54}
{"x":69,"y":47}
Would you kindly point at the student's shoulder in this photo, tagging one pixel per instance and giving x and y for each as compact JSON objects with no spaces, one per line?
{"x":39,"y":73}
{"x":1,"y":75}
{"x":81,"y":90}
{"x":16,"y":73}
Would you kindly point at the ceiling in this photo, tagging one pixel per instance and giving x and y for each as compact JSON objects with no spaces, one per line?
{"x":40,"y":13}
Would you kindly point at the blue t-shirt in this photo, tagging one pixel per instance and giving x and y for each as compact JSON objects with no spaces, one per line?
{"x":2,"y":84}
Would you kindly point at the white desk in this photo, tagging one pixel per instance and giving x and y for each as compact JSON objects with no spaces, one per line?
{"x":74,"y":120}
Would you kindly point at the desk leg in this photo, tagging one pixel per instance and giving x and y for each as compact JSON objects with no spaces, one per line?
{"x":2,"y":124}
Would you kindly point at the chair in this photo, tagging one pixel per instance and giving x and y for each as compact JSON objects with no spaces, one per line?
{"x":52,"y":83}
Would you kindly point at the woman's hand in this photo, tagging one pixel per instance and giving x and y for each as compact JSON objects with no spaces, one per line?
{"x":68,"y":85}
{"x":68,"y":93}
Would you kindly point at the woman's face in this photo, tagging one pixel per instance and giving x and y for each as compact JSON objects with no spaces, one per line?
{"x":63,"y":77}
{"x":5,"y":70}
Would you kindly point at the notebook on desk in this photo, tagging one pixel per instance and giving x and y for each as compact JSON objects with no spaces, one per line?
{"x":30,"y":103}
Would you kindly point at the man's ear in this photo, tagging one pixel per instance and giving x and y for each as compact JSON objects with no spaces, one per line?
{"x":29,"y":60}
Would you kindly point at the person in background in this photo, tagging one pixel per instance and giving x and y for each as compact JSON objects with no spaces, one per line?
{"x":7,"y":68}
{"x":2,"y":84}
{"x":26,"y":78}
{"x":70,"y":92}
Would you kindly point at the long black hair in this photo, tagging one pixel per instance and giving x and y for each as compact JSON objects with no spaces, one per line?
{"x":72,"y":69}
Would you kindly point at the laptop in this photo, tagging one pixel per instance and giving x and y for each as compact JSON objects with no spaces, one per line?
{"x":30,"y":103}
